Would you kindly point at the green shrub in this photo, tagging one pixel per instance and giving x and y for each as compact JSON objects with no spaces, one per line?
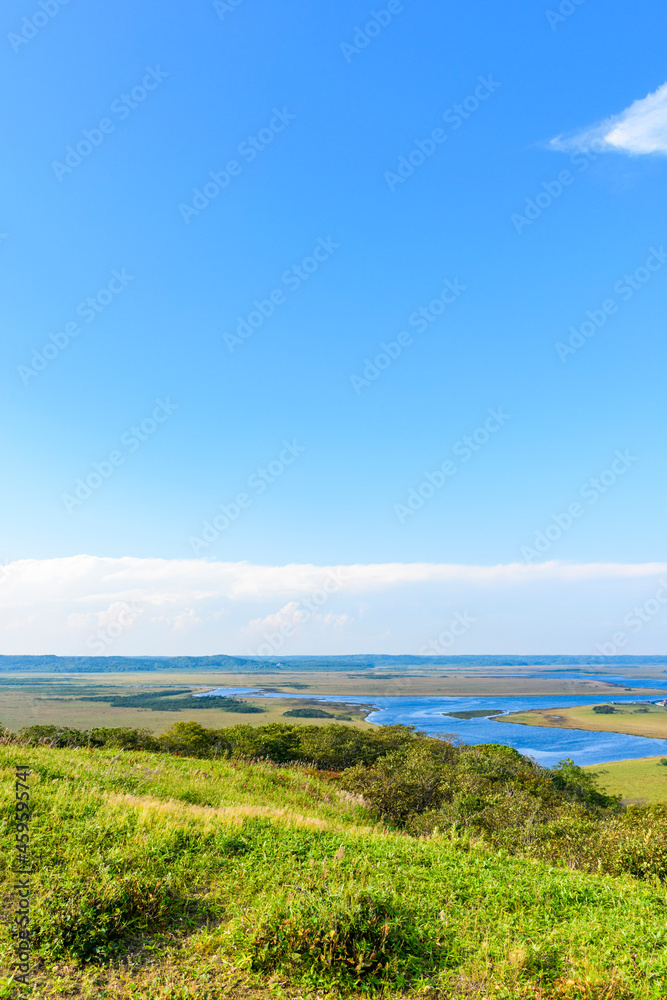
{"x":604,"y":709}
{"x":404,"y":782}
{"x":53,"y":736}
{"x":307,"y":713}
{"x":124,"y":738}
{"x":278,"y":742}
{"x":355,"y":939}
{"x":334,"y":747}
{"x":187,"y":738}
{"x":93,"y":919}
{"x":577,"y":785}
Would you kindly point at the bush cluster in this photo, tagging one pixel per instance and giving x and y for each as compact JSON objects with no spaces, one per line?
{"x":332,"y":748}
{"x":92,"y":918}
{"x":307,"y":713}
{"x":509,"y":801}
{"x":430,"y":783}
{"x":167,"y":701}
{"x":351,"y":939}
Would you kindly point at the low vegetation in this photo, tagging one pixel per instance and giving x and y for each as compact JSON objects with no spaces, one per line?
{"x":307,"y":713}
{"x":176,"y":701}
{"x":322,"y":861}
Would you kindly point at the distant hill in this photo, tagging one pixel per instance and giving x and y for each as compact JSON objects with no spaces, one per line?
{"x":365,"y":660}
{"x":239,"y":664}
{"x":116,"y":664}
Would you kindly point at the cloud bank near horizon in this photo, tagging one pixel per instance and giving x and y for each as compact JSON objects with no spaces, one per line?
{"x":89,"y":605}
{"x":640,"y":129}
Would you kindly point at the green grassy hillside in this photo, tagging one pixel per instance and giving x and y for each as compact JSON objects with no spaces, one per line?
{"x":173,"y":878}
{"x":642,"y":780}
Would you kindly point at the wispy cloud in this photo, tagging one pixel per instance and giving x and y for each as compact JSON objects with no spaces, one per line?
{"x":640,"y":129}
{"x":193,"y":606}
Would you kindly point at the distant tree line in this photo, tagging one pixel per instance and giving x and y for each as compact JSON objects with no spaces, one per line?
{"x":240,"y":664}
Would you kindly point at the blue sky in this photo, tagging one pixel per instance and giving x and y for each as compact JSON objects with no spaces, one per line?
{"x":312,"y":212}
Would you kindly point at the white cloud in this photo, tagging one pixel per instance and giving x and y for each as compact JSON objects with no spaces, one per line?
{"x":191,"y":606}
{"x":188,"y":619}
{"x":336,"y":621}
{"x":640,"y":129}
{"x":291,"y":616}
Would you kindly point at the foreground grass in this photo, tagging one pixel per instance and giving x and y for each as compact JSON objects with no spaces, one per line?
{"x":635,"y":720}
{"x":642,"y":780}
{"x":168,"y":879}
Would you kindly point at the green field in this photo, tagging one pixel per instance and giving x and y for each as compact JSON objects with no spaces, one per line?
{"x":643,"y":780}
{"x":170,"y":878}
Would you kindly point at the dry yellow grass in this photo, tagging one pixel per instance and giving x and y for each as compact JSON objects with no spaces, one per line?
{"x":230,"y":815}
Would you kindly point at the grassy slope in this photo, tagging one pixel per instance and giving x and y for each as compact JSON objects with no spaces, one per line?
{"x":625,"y":720}
{"x":199,"y":857}
{"x":643,"y":780}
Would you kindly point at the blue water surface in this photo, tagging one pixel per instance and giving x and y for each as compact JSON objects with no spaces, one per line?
{"x":548,"y":746}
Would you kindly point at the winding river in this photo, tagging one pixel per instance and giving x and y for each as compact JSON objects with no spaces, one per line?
{"x":546,"y":745}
